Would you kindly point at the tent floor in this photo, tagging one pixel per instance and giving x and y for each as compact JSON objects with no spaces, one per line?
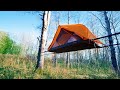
{"x":74,"y":46}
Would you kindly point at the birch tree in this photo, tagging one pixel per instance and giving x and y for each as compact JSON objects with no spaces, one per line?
{"x":42,"y":39}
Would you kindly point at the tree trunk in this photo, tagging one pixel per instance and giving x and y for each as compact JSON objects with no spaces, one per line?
{"x":68,"y":54}
{"x":112,"y":49}
{"x":54,"y":59}
{"x":57,"y":24}
{"x":77,"y":59}
{"x":117,"y":45}
{"x":40,"y":57}
{"x":67,"y":60}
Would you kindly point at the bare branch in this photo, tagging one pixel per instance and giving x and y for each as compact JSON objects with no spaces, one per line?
{"x":98,"y":19}
{"x":110,"y":16}
{"x":112,"y":21}
{"x":117,"y":24}
{"x":40,"y":14}
{"x":38,"y":38}
{"x":39,"y":27}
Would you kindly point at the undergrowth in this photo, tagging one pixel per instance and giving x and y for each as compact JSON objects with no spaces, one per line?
{"x":18,"y":67}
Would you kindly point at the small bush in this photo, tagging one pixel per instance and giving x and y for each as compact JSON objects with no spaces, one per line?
{"x":8,"y":46}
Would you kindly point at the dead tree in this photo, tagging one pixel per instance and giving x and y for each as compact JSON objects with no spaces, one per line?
{"x":42,"y":39}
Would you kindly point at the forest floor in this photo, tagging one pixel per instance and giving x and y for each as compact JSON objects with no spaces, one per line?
{"x":16,"y":67}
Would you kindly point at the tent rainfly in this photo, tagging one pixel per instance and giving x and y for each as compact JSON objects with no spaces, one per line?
{"x":73,"y":37}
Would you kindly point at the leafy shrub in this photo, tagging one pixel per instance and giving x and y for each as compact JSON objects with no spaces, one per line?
{"x":8,"y":46}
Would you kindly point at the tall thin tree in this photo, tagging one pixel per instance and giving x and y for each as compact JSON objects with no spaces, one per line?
{"x":57,"y":23}
{"x":68,"y":53}
{"x":112,"y":48}
{"x":42,"y":39}
{"x":113,"y":21}
{"x":107,"y":27}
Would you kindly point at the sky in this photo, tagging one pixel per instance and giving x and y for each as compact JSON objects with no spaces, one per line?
{"x":19,"y":24}
{"x":12,"y":21}
{"x":22,"y":25}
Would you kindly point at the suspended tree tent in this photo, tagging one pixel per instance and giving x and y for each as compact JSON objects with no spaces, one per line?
{"x":73,"y":37}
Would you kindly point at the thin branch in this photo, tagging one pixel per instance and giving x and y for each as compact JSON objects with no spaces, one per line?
{"x":117,"y":24}
{"x":98,"y":19}
{"x":110,"y":15}
{"x":41,"y":14}
{"x":112,"y":21}
{"x":38,"y":38}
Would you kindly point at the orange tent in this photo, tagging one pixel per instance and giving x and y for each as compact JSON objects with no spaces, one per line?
{"x":73,"y":37}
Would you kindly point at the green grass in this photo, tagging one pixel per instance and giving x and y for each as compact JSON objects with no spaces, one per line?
{"x":17,"y":67}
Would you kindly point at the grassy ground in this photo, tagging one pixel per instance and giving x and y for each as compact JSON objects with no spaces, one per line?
{"x":16,"y":67}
